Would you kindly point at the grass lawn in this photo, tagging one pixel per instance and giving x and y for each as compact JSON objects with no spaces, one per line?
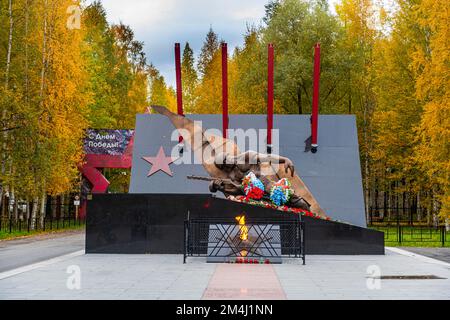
{"x":414,"y":236}
{"x":5,"y":234}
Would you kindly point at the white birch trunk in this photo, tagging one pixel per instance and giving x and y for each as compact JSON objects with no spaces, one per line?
{"x":44,"y":51}
{"x":27,"y":18}
{"x":419,"y":209}
{"x":1,"y":201}
{"x":34,"y":212}
{"x":27,"y":209}
{"x":8,"y":53}
{"x":12,"y":200}
{"x":435,"y":208}
{"x":43,"y":207}
{"x":6,"y":84}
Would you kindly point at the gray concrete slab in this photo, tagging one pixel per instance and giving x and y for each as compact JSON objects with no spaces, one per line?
{"x":166,"y":277}
{"x":113,"y":277}
{"x":346,"y":277}
{"x":20,"y":252}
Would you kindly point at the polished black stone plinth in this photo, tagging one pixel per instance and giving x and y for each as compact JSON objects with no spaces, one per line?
{"x":153,"y":223}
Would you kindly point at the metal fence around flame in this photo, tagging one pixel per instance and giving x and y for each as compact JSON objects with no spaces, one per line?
{"x":268,"y":238}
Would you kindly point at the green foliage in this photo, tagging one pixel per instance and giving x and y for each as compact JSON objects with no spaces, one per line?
{"x":209,"y":92}
{"x":57,"y":82}
{"x":294,"y":28}
{"x":159,"y":93}
{"x":99,"y":56}
{"x":117,"y":71}
{"x":431,"y":66}
{"x":248,"y":88}
{"x":190,"y":79}
{"x":210,"y":46}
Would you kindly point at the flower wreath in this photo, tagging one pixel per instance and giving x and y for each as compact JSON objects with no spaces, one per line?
{"x":281,"y":192}
{"x":253,"y":187}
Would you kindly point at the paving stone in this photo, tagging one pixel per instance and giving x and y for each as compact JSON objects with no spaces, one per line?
{"x":165,"y":277}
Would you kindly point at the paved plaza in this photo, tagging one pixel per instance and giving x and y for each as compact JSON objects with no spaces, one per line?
{"x":99,"y":276}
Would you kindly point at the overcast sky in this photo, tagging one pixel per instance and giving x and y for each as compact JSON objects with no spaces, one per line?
{"x":161,"y":23}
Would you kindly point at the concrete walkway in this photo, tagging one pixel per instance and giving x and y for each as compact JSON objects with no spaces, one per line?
{"x":231,"y":281}
{"x":21,"y":252}
{"x":166,"y":277}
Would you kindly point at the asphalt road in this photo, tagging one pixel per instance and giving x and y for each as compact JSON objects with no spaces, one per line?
{"x":442,"y":254}
{"x":22,"y":252}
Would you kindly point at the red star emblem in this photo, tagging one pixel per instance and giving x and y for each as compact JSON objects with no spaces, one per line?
{"x":160,"y":162}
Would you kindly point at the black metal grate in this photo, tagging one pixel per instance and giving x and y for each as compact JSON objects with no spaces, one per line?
{"x":412,"y":277}
{"x":267,"y":238}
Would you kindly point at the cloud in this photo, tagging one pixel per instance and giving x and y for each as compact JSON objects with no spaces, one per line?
{"x":161,"y":23}
{"x":139,"y":13}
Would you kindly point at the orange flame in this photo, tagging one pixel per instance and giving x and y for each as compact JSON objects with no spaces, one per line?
{"x":243,"y":228}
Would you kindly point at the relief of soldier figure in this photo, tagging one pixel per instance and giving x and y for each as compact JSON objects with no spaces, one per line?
{"x":244,"y":173}
{"x":258,"y":176}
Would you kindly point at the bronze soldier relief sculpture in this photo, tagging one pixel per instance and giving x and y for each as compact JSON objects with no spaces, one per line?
{"x":229,"y":168}
{"x":239,"y":166}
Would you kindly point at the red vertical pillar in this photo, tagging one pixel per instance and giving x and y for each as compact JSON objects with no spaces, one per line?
{"x":224,"y":89}
{"x":179,"y":86}
{"x":315,"y":101}
{"x":178,"y":76}
{"x":269,"y":97}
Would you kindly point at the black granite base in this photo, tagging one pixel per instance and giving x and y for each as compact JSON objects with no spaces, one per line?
{"x":153,"y":223}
